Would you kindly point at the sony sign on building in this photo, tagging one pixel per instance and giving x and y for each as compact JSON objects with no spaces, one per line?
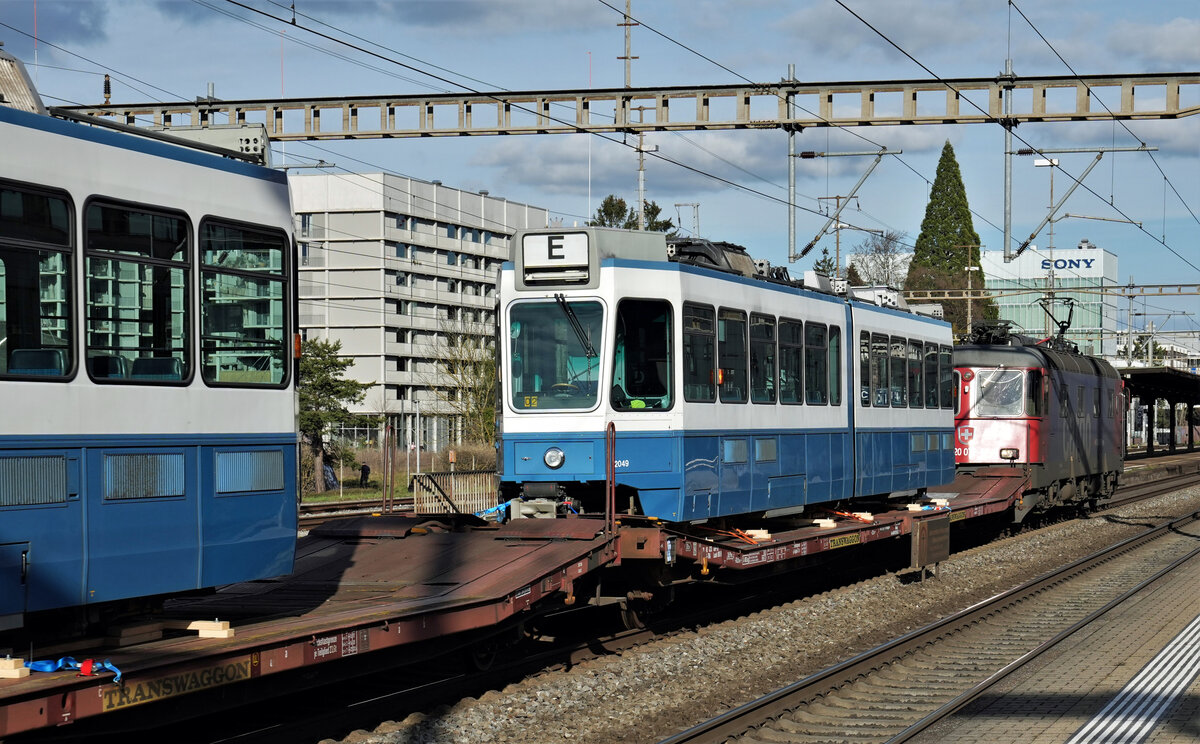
{"x":1061,"y":272}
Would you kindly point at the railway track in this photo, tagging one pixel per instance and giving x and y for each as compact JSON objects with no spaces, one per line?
{"x":899,"y":689}
{"x":313,"y":514}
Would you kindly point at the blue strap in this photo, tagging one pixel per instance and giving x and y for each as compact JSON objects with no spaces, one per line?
{"x":494,"y":509}
{"x":68,"y":662}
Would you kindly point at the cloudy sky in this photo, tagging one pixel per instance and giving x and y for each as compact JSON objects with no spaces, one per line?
{"x":172,"y":50}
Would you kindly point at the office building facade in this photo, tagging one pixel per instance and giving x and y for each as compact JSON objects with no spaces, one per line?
{"x":1058,"y":273}
{"x":399,"y":270}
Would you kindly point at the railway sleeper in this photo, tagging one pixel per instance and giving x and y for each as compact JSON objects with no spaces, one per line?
{"x":808,"y":725}
{"x":857,"y":716}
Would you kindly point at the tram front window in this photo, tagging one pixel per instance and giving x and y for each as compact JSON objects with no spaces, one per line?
{"x":554,"y":354}
{"x":1000,"y":392}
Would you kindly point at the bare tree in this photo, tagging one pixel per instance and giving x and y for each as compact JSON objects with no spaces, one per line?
{"x":465,"y":380}
{"x":881,"y":259}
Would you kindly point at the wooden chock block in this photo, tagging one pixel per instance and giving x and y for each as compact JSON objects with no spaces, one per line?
{"x":11,"y":668}
{"x":204,"y":628}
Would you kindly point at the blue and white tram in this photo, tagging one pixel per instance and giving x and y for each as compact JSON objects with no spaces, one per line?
{"x":731,"y":393}
{"x":147,"y":380}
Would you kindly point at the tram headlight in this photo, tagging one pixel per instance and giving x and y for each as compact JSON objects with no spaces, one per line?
{"x":554,"y":458}
{"x":1009,"y":453}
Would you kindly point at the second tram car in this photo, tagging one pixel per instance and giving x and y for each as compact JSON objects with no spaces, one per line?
{"x":147,"y":381}
{"x":733,"y":390}
{"x":1042,"y":406}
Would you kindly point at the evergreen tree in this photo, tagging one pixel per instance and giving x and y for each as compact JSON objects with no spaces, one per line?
{"x":824,"y":264}
{"x":324,"y":395}
{"x":614,"y":212}
{"x":948,"y":244}
{"x":853,"y":278}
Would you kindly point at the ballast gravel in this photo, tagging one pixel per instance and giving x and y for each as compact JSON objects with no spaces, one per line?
{"x":652,"y":691}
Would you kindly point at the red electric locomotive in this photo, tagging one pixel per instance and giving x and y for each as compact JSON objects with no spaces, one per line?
{"x":1043,"y":406}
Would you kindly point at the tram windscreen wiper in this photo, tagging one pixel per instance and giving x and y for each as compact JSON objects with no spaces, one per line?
{"x":588,"y":349}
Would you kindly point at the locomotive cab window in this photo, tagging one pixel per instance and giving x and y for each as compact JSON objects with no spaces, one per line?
{"x":138,"y":294}
{"x":1000,"y":392}
{"x":643,"y":369}
{"x":35,"y":284}
{"x":1035,"y":394}
{"x":554,"y":349}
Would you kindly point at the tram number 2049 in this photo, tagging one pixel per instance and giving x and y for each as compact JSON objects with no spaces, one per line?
{"x":620,"y":463}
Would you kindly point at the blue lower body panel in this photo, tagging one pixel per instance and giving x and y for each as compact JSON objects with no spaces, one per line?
{"x":115,"y":518}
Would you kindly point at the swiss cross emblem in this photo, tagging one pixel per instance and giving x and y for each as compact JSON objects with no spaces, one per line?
{"x":964,"y":434}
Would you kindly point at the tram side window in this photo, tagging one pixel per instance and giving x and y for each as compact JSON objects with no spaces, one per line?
{"x":762,"y":358}
{"x":791,"y":362}
{"x":643,"y":369}
{"x":138,"y":293}
{"x":816,"y":364}
{"x":835,"y":366}
{"x":731,"y":346}
{"x":915,"y":391}
{"x":864,"y":368}
{"x":931,"y":375}
{"x":897,"y":372}
{"x":36,"y":316}
{"x":946,"y":376}
{"x":699,"y":354}
{"x":879,"y":370}
{"x":243,"y":304}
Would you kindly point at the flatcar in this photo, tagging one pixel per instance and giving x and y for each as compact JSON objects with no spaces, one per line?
{"x":733,"y":390}
{"x":147,"y":374}
{"x":1043,"y":406}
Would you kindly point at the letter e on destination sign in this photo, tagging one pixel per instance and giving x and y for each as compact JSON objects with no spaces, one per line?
{"x":555,"y":250}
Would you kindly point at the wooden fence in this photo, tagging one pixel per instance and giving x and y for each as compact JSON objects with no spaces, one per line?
{"x":466,"y":491}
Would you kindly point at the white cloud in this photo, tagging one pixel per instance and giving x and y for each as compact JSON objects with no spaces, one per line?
{"x":1174,"y":45}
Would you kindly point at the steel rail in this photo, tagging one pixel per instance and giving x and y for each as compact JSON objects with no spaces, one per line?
{"x":778,"y":703}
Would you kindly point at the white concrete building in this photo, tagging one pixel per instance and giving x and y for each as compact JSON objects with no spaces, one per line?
{"x":1058,"y":270}
{"x":391,"y":267}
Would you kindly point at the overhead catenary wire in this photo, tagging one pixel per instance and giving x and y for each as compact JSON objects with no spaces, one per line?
{"x":998,"y":120}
